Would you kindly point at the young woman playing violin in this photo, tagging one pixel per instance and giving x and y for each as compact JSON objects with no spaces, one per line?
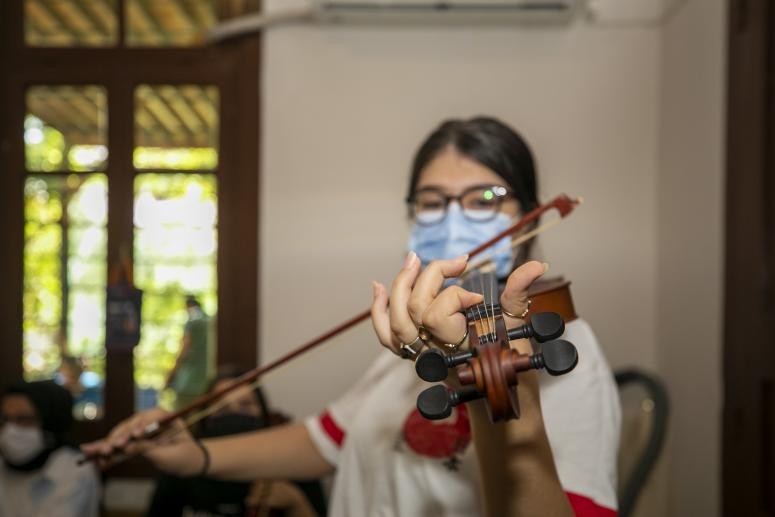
{"x":469,"y":179}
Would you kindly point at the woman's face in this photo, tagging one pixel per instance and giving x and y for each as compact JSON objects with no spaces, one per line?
{"x":18,"y":409}
{"x":453,"y":173}
{"x":241,"y":401}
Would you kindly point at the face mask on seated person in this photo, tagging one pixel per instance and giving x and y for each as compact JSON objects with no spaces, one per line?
{"x":230,"y":423}
{"x":456,"y":235}
{"x":19,"y":445}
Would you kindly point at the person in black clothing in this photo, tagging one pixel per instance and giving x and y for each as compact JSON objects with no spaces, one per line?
{"x":245,"y":411}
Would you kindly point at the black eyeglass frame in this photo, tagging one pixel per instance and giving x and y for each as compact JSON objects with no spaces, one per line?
{"x":501,"y":194}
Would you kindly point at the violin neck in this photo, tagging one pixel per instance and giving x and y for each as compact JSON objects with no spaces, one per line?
{"x":486,"y":284}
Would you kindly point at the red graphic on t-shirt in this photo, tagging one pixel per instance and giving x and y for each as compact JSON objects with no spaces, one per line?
{"x":438,"y":438}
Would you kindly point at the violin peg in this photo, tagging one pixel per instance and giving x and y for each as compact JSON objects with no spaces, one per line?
{"x":543,"y":326}
{"x":434,"y":403}
{"x":557,"y":357}
{"x":431,"y":366}
{"x":547,"y":326}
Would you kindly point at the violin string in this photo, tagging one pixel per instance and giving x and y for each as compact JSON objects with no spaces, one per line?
{"x":477,"y":308}
{"x":493,"y":291}
{"x":484,"y":297}
{"x":489,"y":291}
{"x":484,"y":303}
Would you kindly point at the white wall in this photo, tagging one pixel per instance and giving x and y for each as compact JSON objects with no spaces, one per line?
{"x":690,"y":216}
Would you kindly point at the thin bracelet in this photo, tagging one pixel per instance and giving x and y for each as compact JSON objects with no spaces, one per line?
{"x":206,"y":465}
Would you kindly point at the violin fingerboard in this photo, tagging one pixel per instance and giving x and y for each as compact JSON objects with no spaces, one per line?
{"x":485,"y":284}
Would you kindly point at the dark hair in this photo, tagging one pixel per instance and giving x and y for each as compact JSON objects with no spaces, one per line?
{"x":54,"y":407}
{"x":491,"y":143}
{"x":52,"y":402}
{"x":230,"y":372}
{"x":191,"y":301}
{"x":71,"y":361}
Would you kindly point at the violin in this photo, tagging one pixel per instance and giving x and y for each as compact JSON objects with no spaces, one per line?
{"x":552,"y":295}
{"x":488,"y":369}
{"x":563,"y":204}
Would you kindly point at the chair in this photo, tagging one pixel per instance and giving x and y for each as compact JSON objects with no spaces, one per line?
{"x":645,"y":408}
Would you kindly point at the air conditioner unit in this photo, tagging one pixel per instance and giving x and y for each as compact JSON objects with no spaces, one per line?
{"x":500,"y":12}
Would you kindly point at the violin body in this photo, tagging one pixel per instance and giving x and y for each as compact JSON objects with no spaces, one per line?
{"x":552,"y":295}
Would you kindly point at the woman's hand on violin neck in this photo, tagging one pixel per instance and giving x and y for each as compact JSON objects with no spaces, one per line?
{"x":514,"y":298}
{"x":173,"y":451}
{"x":416,"y":299}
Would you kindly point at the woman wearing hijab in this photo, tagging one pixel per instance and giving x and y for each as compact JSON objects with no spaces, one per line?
{"x":40,"y":475}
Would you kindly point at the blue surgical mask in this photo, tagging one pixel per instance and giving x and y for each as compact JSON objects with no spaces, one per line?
{"x":456,"y":235}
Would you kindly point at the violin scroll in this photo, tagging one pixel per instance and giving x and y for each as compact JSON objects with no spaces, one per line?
{"x":557,"y":357}
{"x":489,"y":368}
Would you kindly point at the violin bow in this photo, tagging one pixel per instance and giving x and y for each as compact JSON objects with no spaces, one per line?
{"x":562,"y":203}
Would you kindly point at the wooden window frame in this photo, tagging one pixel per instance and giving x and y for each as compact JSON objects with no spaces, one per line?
{"x":234,"y":69}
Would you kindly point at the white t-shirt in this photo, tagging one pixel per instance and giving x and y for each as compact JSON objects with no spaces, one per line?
{"x":392,"y":462}
{"x":62,"y":488}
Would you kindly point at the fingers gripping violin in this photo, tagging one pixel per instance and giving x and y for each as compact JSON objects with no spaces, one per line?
{"x":488,"y":369}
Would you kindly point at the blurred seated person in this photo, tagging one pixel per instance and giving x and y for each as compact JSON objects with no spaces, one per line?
{"x":84,"y":386}
{"x":40,"y":475}
{"x":244,"y":410}
{"x":69,"y":375}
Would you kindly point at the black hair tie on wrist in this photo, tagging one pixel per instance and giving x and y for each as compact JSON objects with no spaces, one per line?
{"x":206,"y":459}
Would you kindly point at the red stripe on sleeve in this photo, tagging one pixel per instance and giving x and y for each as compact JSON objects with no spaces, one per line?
{"x":586,"y":507}
{"x":331,"y":428}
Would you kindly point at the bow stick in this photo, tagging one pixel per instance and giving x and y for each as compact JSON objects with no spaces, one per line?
{"x":562,"y":203}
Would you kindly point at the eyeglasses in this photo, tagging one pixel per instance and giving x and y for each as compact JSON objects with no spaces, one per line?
{"x":480,"y":203}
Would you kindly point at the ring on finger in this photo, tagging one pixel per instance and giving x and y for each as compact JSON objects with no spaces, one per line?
{"x":518,"y":316}
{"x":455,"y":346}
{"x":410,"y":350}
{"x":424,"y":334}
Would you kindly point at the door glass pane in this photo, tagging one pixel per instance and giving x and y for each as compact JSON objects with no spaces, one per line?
{"x":65,"y":245}
{"x":176,"y":127}
{"x":70,"y":23}
{"x":175,"y":220}
{"x":163,"y":23}
{"x":66,"y":128}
